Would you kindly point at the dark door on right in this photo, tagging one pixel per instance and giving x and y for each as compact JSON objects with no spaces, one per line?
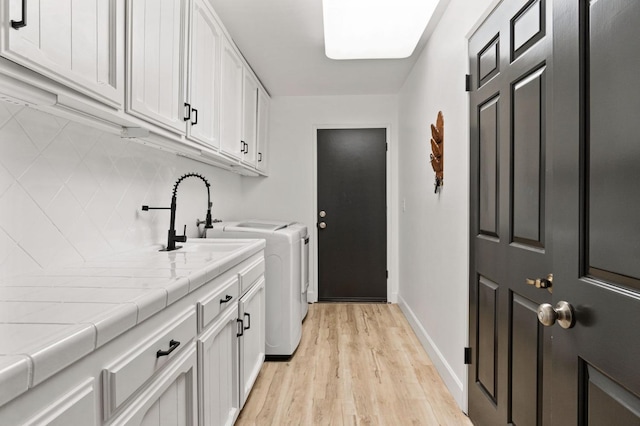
{"x":352,"y":215}
{"x":596,"y":364}
{"x":511,"y":222}
{"x":555,"y":175}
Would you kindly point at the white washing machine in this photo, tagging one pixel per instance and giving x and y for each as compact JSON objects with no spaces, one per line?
{"x":286,"y":278}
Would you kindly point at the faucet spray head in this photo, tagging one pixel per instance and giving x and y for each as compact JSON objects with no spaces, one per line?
{"x":208,"y":222}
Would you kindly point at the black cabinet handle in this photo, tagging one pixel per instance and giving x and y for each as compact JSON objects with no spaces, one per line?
{"x":187,"y":105}
{"x":248,"y":321}
{"x":23,"y":23}
{"x":226,"y":299}
{"x":173,"y":344}
{"x":259,"y":157}
{"x":241,"y":333}
{"x":243,"y":145}
{"x":195,"y":114}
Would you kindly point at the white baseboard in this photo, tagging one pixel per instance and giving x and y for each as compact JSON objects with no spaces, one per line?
{"x":453,"y":383}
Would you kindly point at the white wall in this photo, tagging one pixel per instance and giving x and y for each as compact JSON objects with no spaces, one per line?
{"x":288,"y":193}
{"x":69,"y":192}
{"x":434,"y":228}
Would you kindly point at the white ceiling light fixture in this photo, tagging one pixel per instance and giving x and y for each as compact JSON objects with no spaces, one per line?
{"x":374,"y":29}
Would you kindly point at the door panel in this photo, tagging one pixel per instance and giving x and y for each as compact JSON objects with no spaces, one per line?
{"x":489,"y":161}
{"x":528,"y":168}
{"x":509,"y":215}
{"x":487,"y":336}
{"x":597,"y":232}
{"x":352,"y":249}
{"x":614,"y":205}
{"x":526,"y":370}
{"x":606,"y":400}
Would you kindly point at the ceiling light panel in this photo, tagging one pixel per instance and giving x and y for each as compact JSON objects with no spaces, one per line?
{"x":374,"y":29}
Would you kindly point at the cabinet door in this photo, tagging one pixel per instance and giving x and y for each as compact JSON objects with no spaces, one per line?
{"x":170,"y":399}
{"x":204,"y":75}
{"x":252,"y":343}
{"x":219,"y":376}
{"x":77,"y":43}
{"x":263,"y":131}
{"x":156,"y":62}
{"x":70,"y":407}
{"x":249,"y":118}
{"x":231,"y":102}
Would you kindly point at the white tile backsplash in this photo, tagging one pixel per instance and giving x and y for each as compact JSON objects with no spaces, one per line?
{"x":69,"y":192}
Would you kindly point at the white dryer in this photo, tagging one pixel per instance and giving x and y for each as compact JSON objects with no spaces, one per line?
{"x":286,"y":278}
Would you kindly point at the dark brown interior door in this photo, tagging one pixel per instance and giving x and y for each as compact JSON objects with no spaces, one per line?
{"x":352,"y":218}
{"x":510,"y":229}
{"x":596,"y":363}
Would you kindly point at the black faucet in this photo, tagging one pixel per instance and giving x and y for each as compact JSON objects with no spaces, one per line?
{"x":172,"y":237}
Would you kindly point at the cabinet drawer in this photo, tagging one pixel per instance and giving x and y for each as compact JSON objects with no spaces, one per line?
{"x":216,"y":302}
{"x":127,"y":374}
{"x":250,"y":274}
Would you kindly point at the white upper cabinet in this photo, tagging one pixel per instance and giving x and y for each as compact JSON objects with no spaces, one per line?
{"x":157,"y":42}
{"x":231,"y":102}
{"x":77,"y":43}
{"x":166,"y":66}
{"x":263,"y":131}
{"x":249,"y":118}
{"x":204,"y":75}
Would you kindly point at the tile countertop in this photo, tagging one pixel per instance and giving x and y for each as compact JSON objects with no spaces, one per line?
{"x":54,"y":318}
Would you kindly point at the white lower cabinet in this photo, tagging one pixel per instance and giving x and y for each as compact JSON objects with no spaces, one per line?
{"x":251,"y":310}
{"x":231,"y":351}
{"x":171,"y":399}
{"x":77,"y":403}
{"x":193,"y":363}
{"x":219,"y":375}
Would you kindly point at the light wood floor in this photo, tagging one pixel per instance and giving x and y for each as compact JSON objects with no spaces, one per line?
{"x":356,"y":364}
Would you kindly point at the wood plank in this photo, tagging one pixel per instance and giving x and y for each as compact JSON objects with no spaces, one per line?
{"x":356,"y":364}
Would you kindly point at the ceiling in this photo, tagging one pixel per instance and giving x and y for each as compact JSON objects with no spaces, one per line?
{"x":283,"y":42}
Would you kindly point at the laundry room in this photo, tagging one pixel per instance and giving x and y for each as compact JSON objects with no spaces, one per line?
{"x":214,"y":213}
{"x":76,"y":168}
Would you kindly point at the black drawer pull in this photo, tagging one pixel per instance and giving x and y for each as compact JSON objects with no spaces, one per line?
{"x":248,"y":320}
{"x":173,"y":344}
{"x":226,"y":299}
{"x":195,"y":116}
{"x":187,"y":105}
{"x":241,"y":333}
{"x":23,"y":23}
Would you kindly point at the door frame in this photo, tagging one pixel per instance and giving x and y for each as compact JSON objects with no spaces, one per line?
{"x":392,"y":223}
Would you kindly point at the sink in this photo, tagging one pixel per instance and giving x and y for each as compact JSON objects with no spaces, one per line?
{"x":209,"y":245}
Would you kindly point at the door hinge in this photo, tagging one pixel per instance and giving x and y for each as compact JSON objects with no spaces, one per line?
{"x":467,"y":355}
{"x":467,"y":83}
{"x":387,"y":274}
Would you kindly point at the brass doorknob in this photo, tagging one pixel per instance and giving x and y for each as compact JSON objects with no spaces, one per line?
{"x":322,"y":225}
{"x":562,"y":313}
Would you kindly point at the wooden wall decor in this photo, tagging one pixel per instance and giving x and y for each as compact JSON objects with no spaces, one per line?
{"x":437,"y":150}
